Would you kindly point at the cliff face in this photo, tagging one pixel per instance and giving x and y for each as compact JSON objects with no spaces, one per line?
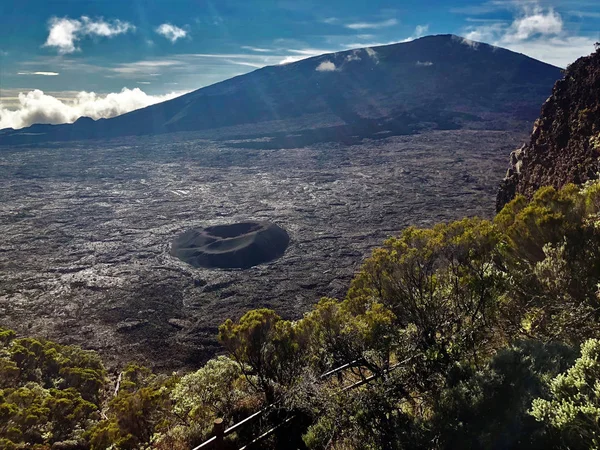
{"x":565,"y":143}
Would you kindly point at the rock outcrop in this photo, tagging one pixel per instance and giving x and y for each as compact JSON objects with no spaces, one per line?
{"x":235,"y":246}
{"x":565,"y":143}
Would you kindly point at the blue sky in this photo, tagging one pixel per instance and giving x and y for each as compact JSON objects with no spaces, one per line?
{"x":70,"y":49}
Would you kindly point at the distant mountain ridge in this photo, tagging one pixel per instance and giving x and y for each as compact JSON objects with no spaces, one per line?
{"x":441,"y":81}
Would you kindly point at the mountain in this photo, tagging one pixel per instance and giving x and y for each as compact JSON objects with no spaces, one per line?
{"x":564,"y":146}
{"x":439,"y":81}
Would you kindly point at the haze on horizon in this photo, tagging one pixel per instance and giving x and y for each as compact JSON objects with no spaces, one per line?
{"x":61,"y":61}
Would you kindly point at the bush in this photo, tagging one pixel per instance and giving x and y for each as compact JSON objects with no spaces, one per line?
{"x":573,"y":410}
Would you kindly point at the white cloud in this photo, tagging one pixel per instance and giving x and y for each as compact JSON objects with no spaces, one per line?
{"x":45,"y":74}
{"x":106,"y":29}
{"x":536,"y":23}
{"x":424,"y":63}
{"x":420,"y":30}
{"x":291,"y":59}
{"x":37,"y":107}
{"x":64,"y":33}
{"x":585,"y":14}
{"x":372,"y":25}
{"x":149,"y":67}
{"x":326,"y":66}
{"x":194,"y":62}
{"x":485,"y":33}
{"x":245,"y":63}
{"x":470,"y":40}
{"x":536,"y":32}
{"x":559,"y":50}
{"x":171,"y":32}
{"x":485,"y":8}
{"x":308,"y":51}
{"x":302,"y":53}
{"x":360,"y":45}
{"x":256,"y":49}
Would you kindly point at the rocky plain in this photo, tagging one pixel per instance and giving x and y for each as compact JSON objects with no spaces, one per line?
{"x":85,"y":229}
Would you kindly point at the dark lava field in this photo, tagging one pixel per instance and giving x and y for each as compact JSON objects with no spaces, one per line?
{"x":85,"y":229}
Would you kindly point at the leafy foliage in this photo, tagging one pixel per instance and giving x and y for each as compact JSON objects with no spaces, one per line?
{"x":140,"y":409}
{"x":573,"y":409}
{"x":488,"y":407}
{"x":552,"y":259}
{"x":49,"y":393}
{"x":269,"y":346}
{"x":217,"y":390}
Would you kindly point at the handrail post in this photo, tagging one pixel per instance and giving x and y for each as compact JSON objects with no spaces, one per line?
{"x":219,"y":433}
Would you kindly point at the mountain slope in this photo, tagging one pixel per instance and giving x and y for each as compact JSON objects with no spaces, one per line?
{"x":437,"y":81}
{"x":565,"y":143}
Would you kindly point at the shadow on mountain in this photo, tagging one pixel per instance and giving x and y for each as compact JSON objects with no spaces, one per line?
{"x":359,"y":129}
{"x":362,"y":93}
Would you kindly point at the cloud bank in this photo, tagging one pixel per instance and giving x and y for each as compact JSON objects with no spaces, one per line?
{"x":37,"y":107}
{"x":64,"y":33}
{"x":171,"y":32}
{"x":537,"y":32}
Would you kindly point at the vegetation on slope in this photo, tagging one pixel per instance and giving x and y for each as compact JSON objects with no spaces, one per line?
{"x":474,"y":334}
{"x":48,"y":392}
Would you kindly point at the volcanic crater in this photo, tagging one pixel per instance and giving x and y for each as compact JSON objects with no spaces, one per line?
{"x":232,"y":246}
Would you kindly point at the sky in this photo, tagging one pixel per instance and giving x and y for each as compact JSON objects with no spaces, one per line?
{"x":60,"y":60}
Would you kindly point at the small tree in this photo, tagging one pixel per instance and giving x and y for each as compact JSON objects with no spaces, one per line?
{"x":266,"y":349}
{"x":140,"y":409}
{"x":440,"y":285}
{"x":550,"y":250}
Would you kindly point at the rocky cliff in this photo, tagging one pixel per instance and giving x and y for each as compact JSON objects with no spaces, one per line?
{"x":565,"y":143}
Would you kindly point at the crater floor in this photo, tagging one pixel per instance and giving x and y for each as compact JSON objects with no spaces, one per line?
{"x":85,"y":228}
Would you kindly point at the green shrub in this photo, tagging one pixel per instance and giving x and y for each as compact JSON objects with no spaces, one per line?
{"x":573,"y":409}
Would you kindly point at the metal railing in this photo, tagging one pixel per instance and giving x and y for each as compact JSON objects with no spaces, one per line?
{"x":220,"y":432}
{"x":217,"y":441}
